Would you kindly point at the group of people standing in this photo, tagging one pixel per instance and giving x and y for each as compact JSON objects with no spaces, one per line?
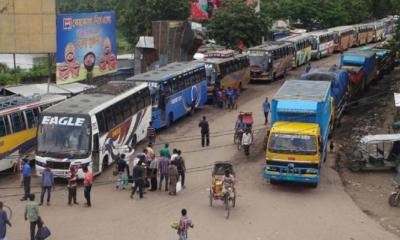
{"x":226,"y":98}
{"x":151,"y":172}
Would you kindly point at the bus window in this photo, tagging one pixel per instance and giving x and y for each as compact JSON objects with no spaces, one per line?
{"x":30,"y":118}
{"x":132,"y":104}
{"x":101,"y":123}
{"x":18,"y":123}
{"x":3,"y":129}
{"x":139,"y":101}
{"x":109,"y":117}
{"x":118,"y":113}
{"x":126,"y":110}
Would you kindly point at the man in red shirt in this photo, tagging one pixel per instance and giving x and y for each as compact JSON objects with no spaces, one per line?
{"x":87,"y":183}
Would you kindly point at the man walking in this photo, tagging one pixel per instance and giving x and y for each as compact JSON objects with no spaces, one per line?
{"x":173,"y":178}
{"x":183,"y":226}
{"x":205,"y":132}
{"x":151,"y":133}
{"x":164,"y":151}
{"x":3,"y":222}
{"x":47,"y":184}
{"x":87,"y":183}
{"x":266,"y":108}
{"x":72,"y":184}
{"x":138,"y":179}
{"x":153,"y":174}
{"x":32,"y":214}
{"x":163,"y":166}
{"x":26,"y":179}
{"x":121,"y":168}
{"x":181,"y":167}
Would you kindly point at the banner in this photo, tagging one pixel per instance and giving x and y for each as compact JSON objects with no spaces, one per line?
{"x":85,"y":44}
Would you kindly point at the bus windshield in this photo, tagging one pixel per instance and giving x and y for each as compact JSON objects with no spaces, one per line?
{"x":64,"y":137}
{"x":293,"y":143}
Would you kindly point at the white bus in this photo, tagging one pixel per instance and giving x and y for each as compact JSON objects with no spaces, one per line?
{"x":91,"y":128}
{"x":323,"y":45}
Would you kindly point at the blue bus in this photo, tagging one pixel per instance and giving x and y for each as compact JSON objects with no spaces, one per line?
{"x":177,"y":89}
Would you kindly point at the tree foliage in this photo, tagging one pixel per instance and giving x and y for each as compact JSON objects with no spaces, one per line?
{"x":236,"y":22}
{"x":317,"y":14}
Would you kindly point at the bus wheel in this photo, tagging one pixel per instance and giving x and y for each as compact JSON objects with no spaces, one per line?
{"x":105,"y":161}
{"x":134,"y":141}
{"x":170,"y":119}
{"x":273,"y":77}
{"x":314,"y":185}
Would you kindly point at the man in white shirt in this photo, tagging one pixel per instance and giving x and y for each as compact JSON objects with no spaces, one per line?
{"x":247,"y":140}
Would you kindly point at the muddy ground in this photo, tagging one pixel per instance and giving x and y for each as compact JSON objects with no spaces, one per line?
{"x":373,"y":115}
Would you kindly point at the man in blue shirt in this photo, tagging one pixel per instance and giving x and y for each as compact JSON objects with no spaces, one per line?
{"x":47,"y":184}
{"x":266,"y":108}
{"x":26,"y":179}
{"x":240,"y":125}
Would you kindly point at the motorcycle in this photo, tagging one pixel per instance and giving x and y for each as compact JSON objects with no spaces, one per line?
{"x":394,"y":198}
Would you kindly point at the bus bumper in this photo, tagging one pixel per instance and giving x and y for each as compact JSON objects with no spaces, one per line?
{"x":290,"y":176}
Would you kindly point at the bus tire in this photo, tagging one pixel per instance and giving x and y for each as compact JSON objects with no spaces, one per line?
{"x":105,"y":161}
{"x":170,"y":119}
{"x":273,"y":76}
{"x":273,"y":181}
{"x":134,"y":141}
{"x":314,"y":185}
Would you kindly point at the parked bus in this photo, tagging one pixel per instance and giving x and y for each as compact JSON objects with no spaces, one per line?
{"x":271,"y":60}
{"x":18,"y":122}
{"x":323,"y":44}
{"x":344,"y":38}
{"x":226,"y":69}
{"x":177,"y":89}
{"x":90,"y":129}
{"x":364,"y":34}
{"x":379,"y":31}
{"x":302,"y":44}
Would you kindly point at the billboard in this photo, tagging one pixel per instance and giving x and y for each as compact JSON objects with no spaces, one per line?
{"x":27,"y":26}
{"x":85,"y":44}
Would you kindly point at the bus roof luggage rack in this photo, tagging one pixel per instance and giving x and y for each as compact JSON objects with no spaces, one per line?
{"x":220,"y":54}
{"x":17,"y":100}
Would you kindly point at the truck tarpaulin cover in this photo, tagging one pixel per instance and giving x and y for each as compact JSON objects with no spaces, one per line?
{"x":85,"y":44}
{"x":339,"y":81}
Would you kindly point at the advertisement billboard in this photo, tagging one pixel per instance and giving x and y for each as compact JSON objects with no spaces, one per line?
{"x":86,"y":44}
{"x":27,"y":26}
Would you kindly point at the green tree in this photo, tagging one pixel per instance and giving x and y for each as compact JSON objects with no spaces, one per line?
{"x":236,"y":22}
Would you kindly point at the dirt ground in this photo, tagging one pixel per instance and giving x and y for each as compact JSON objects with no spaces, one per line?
{"x":263,"y":211}
{"x":370,"y":190}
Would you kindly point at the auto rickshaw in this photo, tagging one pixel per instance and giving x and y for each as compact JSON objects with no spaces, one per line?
{"x":216,"y":188}
{"x":377,"y":152}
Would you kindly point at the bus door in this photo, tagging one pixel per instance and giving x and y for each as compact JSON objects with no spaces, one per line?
{"x":96,"y":154}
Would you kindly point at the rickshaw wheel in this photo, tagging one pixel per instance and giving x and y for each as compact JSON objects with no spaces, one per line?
{"x":394,"y":200}
{"x":211,"y":197}
{"x":355,"y":166}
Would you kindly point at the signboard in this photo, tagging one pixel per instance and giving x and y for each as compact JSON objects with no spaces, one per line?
{"x":27,"y":26}
{"x":85,"y":44}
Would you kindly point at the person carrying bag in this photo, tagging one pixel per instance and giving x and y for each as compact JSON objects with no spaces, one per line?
{"x":43,"y":231}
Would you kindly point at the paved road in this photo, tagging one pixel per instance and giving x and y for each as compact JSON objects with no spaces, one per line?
{"x":263,"y":211}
